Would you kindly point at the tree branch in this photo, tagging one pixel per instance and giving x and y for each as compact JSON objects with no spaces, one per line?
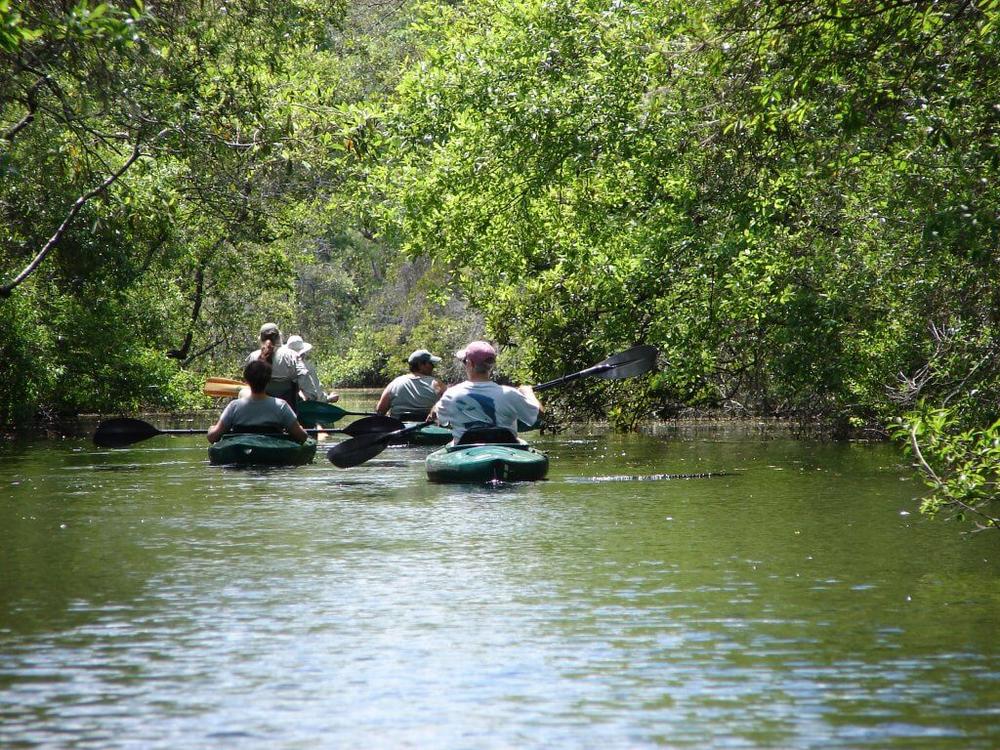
{"x":199,"y":294}
{"x":6,"y":289}
{"x":820,"y":17}
{"x":32,"y":103}
{"x":202,"y":352}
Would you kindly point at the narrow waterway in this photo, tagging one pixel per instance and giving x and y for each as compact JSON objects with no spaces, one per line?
{"x":148,"y":600}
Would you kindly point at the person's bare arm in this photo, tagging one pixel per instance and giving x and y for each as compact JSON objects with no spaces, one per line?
{"x":216,"y":431}
{"x":384,"y":402}
{"x":298,"y":433}
{"x":529,"y":393}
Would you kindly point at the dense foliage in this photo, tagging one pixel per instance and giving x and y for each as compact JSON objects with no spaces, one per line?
{"x":147,"y":153}
{"x":790,"y":199}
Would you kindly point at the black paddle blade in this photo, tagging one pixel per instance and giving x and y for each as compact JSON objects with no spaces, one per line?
{"x":357,"y":450}
{"x":117,"y":433}
{"x":628,"y":364}
{"x":372,"y":425}
{"x":636,"y":361}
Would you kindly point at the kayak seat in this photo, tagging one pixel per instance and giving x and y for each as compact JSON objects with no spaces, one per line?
{"x":487,"y":435}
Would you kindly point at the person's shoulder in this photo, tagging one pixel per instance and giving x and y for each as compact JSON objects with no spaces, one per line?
{"x":456,"y":389}
{"x":490,"y":385}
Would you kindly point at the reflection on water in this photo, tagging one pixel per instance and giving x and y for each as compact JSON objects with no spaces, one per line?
{"x":651,"y":477}
{"x":149,"y":600}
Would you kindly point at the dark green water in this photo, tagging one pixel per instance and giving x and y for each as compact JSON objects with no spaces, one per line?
{"x":148,"y":600}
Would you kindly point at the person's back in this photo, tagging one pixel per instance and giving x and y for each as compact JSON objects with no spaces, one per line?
{"x":258,"y":411}
{"x":255,"y":414}
{"x":414,"y":394}
{"x":310,"y":387}
{"x":286,"y":368}
{"x":479,"y":402}
{"x":473,"y":405}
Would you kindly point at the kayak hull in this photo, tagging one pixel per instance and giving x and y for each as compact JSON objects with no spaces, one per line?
{"x":260,"y":450}
{"x":508,"y":462}
{"x":430,"y":435}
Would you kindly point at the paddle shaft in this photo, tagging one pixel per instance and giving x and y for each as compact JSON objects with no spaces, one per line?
{"x":595,"y":370}
{"x":117,"y":433}
{"x":405,"y":431}
{"x":221,"y":388}
{"x":309,"y":431}
{"x":628,"y":364}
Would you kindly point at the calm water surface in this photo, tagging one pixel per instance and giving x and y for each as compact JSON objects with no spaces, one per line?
{"x":148,"y":600}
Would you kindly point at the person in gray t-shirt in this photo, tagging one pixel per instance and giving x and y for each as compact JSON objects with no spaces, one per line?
{"x":411,"y":396}
{"x":258,"y":410}
{"x":288,"y":373}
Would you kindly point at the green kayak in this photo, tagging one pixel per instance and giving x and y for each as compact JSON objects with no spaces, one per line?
{"x":432,"y":434}
{"x":479,"y":462}
{"x":261,"y":450}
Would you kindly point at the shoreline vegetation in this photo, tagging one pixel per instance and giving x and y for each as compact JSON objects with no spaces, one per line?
{"x":793,"y":203}
{"x":694,"y":421}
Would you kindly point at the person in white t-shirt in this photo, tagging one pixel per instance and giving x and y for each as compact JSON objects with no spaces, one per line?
{"x":479,"y":402}
{"x":310,"y":388}
{"x":411,"y":396}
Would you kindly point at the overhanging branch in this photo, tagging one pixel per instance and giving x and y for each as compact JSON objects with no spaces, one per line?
{"x":6,"y":289}
{"x":31,"y":101}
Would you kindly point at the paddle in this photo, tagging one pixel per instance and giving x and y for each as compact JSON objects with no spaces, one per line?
{"x":223,"y":387}
{"x":358,"y":450}
{"x":313,"y":412}
{"x":309,"y":412}
{"x":420,"y":416}
{"x":628,"y":364}
{"x":118,"y":433}
{"x":225,"y":381}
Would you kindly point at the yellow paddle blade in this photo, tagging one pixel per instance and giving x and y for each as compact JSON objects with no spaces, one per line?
{"x":216,"y":389}
{"x":224,"y":381}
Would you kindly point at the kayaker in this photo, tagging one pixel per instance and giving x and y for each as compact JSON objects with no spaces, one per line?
{"x":258,"y":411}
{"x":479,"y":402}
{"x":298,"y":345}
{"x":289,"y":374}
{"x":414,"y":394}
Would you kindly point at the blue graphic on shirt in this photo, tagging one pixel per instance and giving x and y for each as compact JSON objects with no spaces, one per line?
{"x":488,"y":406}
